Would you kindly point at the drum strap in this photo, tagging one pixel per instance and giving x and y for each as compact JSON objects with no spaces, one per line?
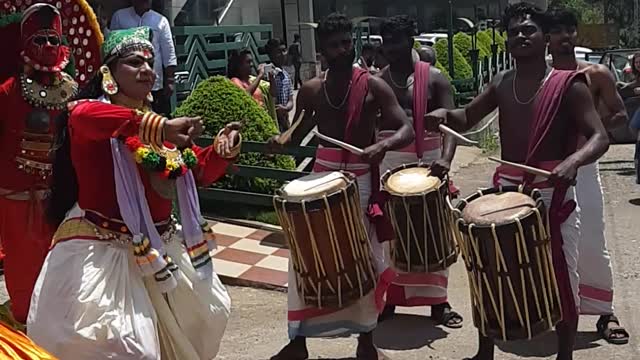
{"x":546,"y":108}
{"x":359,"y":91}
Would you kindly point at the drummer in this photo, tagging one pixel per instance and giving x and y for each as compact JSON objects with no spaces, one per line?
{"x":594,"y":265}
{"x":542,"y":112}
{"x":398,"y":33}
{"x":334,"y":103}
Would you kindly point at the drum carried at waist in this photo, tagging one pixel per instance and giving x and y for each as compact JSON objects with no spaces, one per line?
{"x":505,"y":243}
{"x":421,"y":220}
{"x":323,"y":223}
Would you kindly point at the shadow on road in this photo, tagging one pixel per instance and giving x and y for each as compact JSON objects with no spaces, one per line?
{"x":546,"y":345}
{"x":635,"y":202}
{"x":392,"y":334}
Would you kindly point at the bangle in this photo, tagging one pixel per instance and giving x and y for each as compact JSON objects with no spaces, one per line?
{"x":159,"y":138}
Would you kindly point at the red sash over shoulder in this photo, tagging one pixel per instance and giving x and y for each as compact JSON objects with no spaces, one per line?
{"x":420,"y":98}
{"x":546,"y":109}
{"x":359,"y":91}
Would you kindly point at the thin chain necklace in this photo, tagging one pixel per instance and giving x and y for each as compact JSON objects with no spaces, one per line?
{"x":406,"y":86}
{"x":540,"y":86}
{"x":326,"y":93}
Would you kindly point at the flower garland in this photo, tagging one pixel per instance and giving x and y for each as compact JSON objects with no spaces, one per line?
{"x":170,"y":167}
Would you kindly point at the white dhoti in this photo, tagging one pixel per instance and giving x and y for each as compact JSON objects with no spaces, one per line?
{"x":594,"y":264}
{"x":92,"y":302}
{"x":570,"y":229}
{"x":424,"y":288}
{"x":362,"y":316}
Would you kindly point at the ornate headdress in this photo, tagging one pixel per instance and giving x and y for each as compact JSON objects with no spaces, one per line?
{"x":74,"y":20}
{"x":41,"y":34}
{"x":121,"y":42}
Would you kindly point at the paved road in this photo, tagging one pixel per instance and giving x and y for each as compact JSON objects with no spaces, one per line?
{"x":257,"y":327}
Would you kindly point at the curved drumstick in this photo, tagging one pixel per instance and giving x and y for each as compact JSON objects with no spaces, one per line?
{"x":526,"y":168}
{"x":286,"y":136}
{"x":350,"y":148}
{"x":449,"y":131}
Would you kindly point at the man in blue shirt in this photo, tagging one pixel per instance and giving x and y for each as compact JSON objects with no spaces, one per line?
{"x":277,"y":52}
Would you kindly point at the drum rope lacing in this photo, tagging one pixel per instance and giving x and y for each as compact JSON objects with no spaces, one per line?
{"x":539,"y":231}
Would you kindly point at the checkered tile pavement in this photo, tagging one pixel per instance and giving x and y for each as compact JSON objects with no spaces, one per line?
{"x":246,"y":256}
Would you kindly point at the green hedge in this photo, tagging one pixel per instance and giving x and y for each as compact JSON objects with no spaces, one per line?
{"x":484,"y":42}
{"x":461,"y":66}
{"x":218,"y":101}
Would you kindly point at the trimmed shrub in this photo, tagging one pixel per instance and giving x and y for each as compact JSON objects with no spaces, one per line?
{"x":461,"y":66}
{"x":484,"y":42}
{"x":464,"y":43}
{"x":218,"y":101}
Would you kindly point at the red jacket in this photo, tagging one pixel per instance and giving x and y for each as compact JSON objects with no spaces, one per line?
{"x":91,"y":126}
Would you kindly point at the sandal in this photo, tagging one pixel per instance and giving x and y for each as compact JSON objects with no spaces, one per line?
{"x":608,"y":333}
{"x":447,"y":317}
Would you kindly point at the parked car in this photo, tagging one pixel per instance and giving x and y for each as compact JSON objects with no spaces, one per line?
{"x":430,"y":39}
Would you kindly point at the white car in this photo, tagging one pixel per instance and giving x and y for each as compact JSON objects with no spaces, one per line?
{"x":430,"y":39}
{"x":580,"y":53}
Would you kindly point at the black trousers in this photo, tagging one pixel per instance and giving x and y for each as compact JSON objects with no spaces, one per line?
{"x":161,"y":103}
{"x":297,"y":77}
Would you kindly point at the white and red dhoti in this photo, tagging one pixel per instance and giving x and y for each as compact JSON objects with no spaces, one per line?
{"x":570,"y":228}
{"x":415,"y":289}
{"x":594,"y":264}
{"x":361,"y":317}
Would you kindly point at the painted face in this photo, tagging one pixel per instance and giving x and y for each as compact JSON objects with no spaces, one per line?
{"x":134,"y":74}
{"x":338,"y":50}
{"x":44,"y":47}
{"x":562,"y":39}
{"x":525,"y":38}
{"x":397,"y":46}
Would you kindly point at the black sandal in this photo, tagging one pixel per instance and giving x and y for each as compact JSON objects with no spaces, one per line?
{"x":447,"y":318}
{"x":608,"y":333}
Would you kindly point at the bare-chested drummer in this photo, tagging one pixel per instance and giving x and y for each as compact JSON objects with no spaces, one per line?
{"x":542,"y":113}
{"x":594,"y":262}
{"x":344,"y":103}
{"x":405,"y":74}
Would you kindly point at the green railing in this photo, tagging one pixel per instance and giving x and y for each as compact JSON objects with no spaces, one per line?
{"x":212,"y":194}
{"x":203,"y":51}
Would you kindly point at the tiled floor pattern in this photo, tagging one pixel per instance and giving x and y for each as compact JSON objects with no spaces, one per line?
{"x":247,"y":256}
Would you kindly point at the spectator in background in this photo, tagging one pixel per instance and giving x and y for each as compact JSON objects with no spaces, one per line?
{"x":368,"y":58}
{"x":140,"y":14}
{"x":239,"y":68}
{"x":428,"y":55}
{"x":295,"y":56}
{"x":277,"y":52}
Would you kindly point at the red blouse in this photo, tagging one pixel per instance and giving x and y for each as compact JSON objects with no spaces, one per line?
{"x":91,"y":126}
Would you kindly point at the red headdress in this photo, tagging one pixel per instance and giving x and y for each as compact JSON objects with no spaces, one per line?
{"x":74,"y":20}
{"x":41,"y":30}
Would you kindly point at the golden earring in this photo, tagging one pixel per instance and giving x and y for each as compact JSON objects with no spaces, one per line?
{"x":109,"y":86}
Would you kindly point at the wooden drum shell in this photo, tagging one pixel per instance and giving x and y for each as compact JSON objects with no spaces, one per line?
{"x":329,"y":246}
{"x":423,"y":226}
{"x":514,"y":293}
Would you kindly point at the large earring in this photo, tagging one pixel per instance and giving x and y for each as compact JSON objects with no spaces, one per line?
{"x":150,"y":97}
{"x":109,"y":86}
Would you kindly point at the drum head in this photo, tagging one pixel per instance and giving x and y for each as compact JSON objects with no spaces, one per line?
{"x":500,"y":208}
{"x":411,"y":181}
{"x":314,"y":186}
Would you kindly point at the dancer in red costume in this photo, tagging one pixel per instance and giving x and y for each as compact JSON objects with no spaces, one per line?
{"x":30,"y":100}
{"x":542,"y":113}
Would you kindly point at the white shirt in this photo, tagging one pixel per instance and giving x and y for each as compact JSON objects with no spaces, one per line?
{"x":165,"y":51}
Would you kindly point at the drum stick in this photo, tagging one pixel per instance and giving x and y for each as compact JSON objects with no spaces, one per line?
{"x":350,"y":148}
{"x":447,"y":130}
{"x":286,"y":136}
{"x":526,"y":168}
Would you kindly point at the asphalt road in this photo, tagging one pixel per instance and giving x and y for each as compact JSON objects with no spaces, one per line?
{"x":257,"y":327}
